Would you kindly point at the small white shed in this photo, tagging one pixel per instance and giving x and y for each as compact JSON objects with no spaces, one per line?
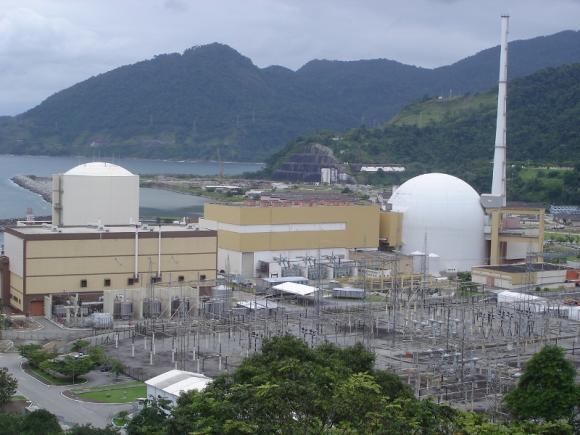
{"x":171,"y":384}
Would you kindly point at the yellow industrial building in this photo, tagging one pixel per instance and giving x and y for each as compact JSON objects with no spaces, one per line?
{"x":257,"y":236}
{"x":515,"y":233}
{"x":87,"y":260}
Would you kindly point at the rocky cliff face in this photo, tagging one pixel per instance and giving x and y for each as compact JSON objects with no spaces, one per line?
{"x":305,"y":165}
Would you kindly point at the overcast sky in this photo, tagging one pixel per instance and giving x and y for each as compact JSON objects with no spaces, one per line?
{"x":48,"y":45}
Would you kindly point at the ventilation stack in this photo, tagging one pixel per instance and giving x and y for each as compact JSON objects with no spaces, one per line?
{"x":497,"y":198}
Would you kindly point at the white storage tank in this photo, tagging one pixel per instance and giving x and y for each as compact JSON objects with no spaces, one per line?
{"x":95,"y":193}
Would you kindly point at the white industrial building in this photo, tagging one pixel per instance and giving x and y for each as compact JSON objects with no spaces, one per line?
{"x":328,"y":175}
{"x":171,"y":384}
{"x":96,"y":193}
{"x":442,"y":216}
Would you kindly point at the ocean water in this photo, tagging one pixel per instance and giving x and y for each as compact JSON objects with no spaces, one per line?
{"x":14,"y":200}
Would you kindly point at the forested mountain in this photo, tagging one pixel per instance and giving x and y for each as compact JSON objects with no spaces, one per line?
{"x":189,"y":105}
{"x":456,"y":135}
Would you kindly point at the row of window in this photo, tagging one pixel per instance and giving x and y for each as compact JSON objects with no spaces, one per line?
{"x":133,"y":281}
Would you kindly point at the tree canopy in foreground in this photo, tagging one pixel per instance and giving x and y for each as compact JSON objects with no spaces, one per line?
{"x":547,"y":389}
{"x":290,"y":388}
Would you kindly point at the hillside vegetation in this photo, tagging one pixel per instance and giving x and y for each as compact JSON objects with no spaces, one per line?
{"x":457,"y":136}
{"x":211,"y":97}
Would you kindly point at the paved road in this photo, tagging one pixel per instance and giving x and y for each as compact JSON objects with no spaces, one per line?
{"x":68,"y":411}
{"x":44,"y":330}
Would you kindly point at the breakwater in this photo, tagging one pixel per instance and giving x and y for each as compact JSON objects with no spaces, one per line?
{"x":39,"y":185}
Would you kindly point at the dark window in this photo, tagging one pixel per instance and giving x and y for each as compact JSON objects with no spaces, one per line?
{"x":180,"y":278}
{"x":107,"y":282}
{"x":155,"y":279}
{"x":130,"y":281}
{"x":202,"y":277}
{"x":83,"y":283}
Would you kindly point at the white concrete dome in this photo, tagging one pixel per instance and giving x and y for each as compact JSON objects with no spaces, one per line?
{"x":448,"y":211}
{"x":99,"y":169}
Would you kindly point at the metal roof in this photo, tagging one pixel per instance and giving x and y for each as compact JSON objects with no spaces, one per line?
{"x":295,"y":289}
{"x":516,"y":296}
{"x":177,"y":381}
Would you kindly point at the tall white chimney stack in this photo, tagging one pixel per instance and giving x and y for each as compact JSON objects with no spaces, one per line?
{"x":498,"y":185}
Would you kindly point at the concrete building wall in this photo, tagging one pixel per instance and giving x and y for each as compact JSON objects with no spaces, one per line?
{"x":16,"y":291}
{"x":246,"y":263}
{"x":550,"y":277}
{"x":59,"y":266}
{"x":519,"y":250}
{"x":230,"y":261}
{"x":154,"y":392}
{"x":391,"y":227}
{"x":88,"y":262}
{"x":251,"y":229}
{"x":514,"y":281}
{"x":87,"y":200}
{"x":14,"y":248}
{"x":491,"y":278}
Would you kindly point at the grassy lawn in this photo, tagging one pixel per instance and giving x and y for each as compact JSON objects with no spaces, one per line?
{"x":47,"y":378}
{"x":18,"y":397}
{"x":126,"y":392}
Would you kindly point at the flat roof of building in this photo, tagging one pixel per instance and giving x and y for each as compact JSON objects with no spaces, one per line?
{"x":295,"y":289}
{"x":299,"y":198}
{"x":106,"y":232}
{"x":524,"y":267}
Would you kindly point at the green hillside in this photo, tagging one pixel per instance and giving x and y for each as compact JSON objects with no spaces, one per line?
{"x":436,"y":110}
{"x":188,"y":105}
{"x":457,"y":136}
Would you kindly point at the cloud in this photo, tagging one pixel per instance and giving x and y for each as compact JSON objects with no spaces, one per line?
{"x":176,"y":5}
{"x":40,"y":55}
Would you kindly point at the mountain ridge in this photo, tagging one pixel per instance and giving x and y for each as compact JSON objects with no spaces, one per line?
{"x":456,"y":136}
{"x":188,"y":105}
